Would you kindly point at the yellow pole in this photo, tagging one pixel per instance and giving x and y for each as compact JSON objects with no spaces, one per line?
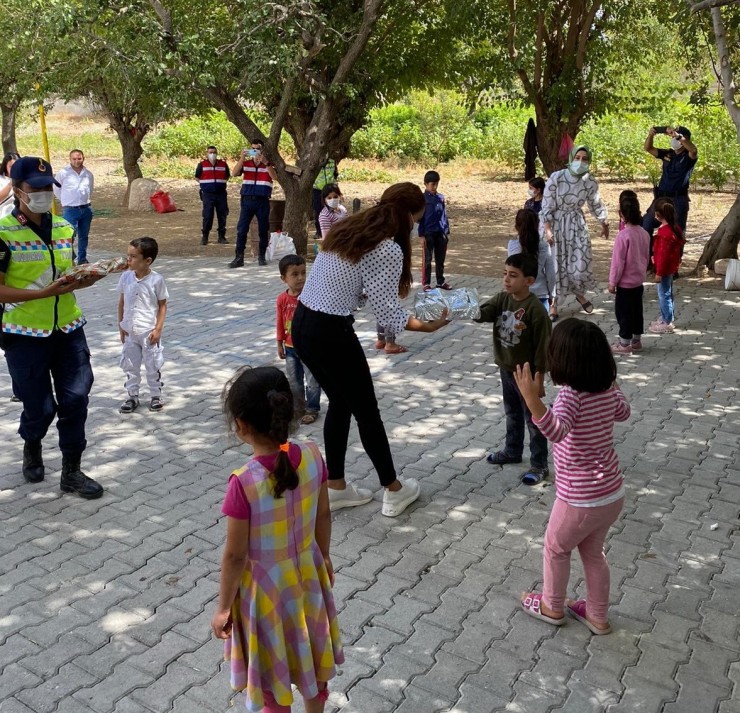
{"x":45,"y":139}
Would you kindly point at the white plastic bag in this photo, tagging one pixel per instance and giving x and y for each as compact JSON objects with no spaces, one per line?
{"x":281,"y":244}
{"x":732,"y":277}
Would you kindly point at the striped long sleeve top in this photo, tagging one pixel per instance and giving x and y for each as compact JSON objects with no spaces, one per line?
{"x":581,"y":427}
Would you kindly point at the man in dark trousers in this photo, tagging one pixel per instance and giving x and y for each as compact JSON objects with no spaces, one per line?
{"x":213,"y":174}
{"x":42,"y":327}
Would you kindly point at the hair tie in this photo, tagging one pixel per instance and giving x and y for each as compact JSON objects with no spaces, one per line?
{"x":284,"y":447}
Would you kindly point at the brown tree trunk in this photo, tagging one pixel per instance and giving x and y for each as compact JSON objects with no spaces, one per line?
{"x":297,"y":209}
{"x":724,"y":240}
{"x":9,"y":110}
{"x":550,"y":132}
{"x":130,"y":138}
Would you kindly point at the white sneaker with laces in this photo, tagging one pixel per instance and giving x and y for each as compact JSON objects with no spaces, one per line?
{"x":394,"y":503}
{"x":349,"y":497}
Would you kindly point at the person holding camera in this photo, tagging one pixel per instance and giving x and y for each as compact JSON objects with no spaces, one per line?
{"x":678,"y":163}
{"x":257,"y":177}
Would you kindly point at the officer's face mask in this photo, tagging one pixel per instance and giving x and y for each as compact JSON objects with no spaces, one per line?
{"x":38,"y":202}
{"x":212,"y":156}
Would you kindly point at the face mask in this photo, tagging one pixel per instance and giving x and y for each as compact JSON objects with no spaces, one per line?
{"x":532,"y":193}
{"x":578,"y":168}
{"x":40,"y":202}
{"x":212,"y":157}
{"x":332,"y":202}
{"x":675,"y":144}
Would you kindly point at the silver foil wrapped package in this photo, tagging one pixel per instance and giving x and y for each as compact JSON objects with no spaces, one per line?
{"x":462,"y":303}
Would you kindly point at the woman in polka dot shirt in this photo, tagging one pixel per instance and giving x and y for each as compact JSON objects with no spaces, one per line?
{"x":366,"y":257}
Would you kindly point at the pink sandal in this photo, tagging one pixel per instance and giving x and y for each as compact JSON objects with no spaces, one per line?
{"x":531,"y":605}
{"x":577,"y":610}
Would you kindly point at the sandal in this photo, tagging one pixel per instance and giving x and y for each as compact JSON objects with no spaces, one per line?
{"x":577,"y":609}
{"x":500,"y":458}
{"x":586,"y":306}
{"x":531,"y":605}
{"x":554,"y":316}
{"x":309,"y":418}
{"x":129,"y":405}
{"x":534,"y":476}
{"x":395,"y":349}
{"x":156,"y":404}
{"x":380,"y":344}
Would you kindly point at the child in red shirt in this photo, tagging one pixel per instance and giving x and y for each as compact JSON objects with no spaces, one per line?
{"x":667,"y":250}
{"x":306,"y":395}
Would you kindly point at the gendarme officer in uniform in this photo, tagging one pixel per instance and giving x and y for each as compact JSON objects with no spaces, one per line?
{"x":42,"y":326}
{"x":212,"y":175}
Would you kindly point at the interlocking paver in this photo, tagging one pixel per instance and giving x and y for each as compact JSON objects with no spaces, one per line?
{"x":105,"y":606}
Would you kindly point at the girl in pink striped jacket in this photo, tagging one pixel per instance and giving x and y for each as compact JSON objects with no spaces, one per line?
{"x":588,"y":482}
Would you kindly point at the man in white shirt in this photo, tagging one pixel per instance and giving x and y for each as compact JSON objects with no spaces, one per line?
{"x":75,"y":195}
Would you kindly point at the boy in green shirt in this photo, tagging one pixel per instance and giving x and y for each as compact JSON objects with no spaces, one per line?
{"x":521,"y":332}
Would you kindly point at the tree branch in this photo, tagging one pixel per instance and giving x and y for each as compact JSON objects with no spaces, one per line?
{"x":347,"y":63}
{"x":586,"y":34}
{"x":709,"y":4}
{"x":538,"y":50}
{"x":726,"y":71}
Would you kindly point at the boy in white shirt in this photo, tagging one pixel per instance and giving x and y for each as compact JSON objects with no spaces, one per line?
{"x":142,"y":307}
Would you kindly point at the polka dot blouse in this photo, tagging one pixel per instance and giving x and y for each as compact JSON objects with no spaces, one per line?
{"x":337,"y":286}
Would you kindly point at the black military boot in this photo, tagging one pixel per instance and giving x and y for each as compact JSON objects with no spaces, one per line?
{"x":75,"y":481}
{"x":238,"y":261}
{"x":33,"y":463}
{"x":204,"y":240}
{"x":222,"y":238}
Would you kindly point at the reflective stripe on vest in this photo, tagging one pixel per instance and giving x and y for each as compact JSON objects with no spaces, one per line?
{"x":256,"y":180}
{"x":33,"y":266}
{"x":213,"y":174}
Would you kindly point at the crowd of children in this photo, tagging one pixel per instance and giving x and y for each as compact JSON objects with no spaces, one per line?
{"x":275,"y":609}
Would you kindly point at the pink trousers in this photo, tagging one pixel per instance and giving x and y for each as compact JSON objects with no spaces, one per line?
{"x":585,"y":528}
{"x":272,"y":706}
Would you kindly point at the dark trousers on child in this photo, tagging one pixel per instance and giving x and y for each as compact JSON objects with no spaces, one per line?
{"x":517,"y":414}
{"x":328,"y":346}
{"x":628,"y":310}
{"x":436,"y":244}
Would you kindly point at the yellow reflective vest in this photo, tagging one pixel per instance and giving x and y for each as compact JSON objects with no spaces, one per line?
{"x":33,"y":266}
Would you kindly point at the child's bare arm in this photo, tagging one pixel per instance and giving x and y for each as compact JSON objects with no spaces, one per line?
{"x":323,"y":528}
{"x":156,"y":334}
{"x":121,"y":331}
{"x":232,"y":569}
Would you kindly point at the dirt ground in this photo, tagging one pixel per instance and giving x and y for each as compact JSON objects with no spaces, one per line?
{"x":481,"y":211}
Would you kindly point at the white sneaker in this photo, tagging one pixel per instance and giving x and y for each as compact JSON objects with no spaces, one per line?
{"x":349,"y":497}
{"x":394,"y":503}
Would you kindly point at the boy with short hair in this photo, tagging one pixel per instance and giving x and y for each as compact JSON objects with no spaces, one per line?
{"x":293,"y":274}
{"x":434,"y":232}
{"x":142,"y":308}
{"x":521,"y":333}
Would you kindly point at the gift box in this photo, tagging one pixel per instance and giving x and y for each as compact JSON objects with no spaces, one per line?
{"x":96,"y":269}
{"x":462,"y":303}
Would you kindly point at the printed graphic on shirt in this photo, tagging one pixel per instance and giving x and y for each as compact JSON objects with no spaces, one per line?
{"x":510,"y":327}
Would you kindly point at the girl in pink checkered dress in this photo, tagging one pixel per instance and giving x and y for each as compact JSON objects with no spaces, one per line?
{"x":275,"y":609}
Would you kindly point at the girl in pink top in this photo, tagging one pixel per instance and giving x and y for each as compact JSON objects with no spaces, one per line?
{"x":630,"y":257}
{"x":275,"y":609}
{"x":588,"y":483}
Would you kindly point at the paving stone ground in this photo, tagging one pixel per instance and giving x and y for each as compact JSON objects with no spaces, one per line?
{"x":105,"y":605}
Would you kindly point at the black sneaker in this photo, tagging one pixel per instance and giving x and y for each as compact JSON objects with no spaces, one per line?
{"x":262,"y":262}
{"x":130,"y":405}
{"x":204,"y":241}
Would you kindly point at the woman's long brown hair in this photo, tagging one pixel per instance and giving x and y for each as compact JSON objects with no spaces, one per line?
{"x":361,"y":233}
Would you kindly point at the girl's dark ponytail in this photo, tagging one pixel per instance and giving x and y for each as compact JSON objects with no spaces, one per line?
{"x":281,"y":410}
{"x":527,"y":224}
{"x":261,"y":398}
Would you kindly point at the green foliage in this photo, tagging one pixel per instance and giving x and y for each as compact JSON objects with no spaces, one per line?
{"x":191,"y":136}
{"x":434,"y":128}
